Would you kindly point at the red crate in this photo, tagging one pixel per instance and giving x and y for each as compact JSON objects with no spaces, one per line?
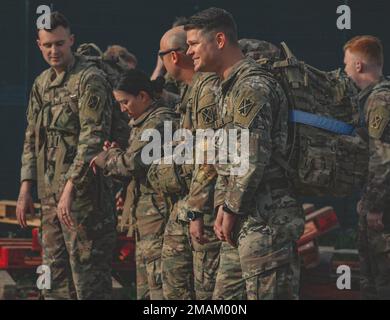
{"x":124,"y":254}
{"x":17,"y":256}
{"x":327,"y":221}
{"x":36,"y":244}
{"x":311,"y":232}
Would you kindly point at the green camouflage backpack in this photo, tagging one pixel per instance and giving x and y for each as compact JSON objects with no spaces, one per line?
{"x":120,"y":130}
{"x":327,"y":156}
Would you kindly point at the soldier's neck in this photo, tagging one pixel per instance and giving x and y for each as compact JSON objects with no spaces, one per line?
{"x":188,"y":76}
{"x":229,"y":61}
{"x":369,"y":79}
{"x":60,"y":69}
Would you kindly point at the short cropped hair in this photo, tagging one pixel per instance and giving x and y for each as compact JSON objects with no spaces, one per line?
{"x":57,"y":19}
{"x":214,"y":20}
{"x":369,"y":47}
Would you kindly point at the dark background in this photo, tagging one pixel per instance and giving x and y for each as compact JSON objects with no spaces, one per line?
{"x":308,"y":27}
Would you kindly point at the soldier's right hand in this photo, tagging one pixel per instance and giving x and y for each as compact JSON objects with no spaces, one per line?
{"x":92,"y":165}
{"x":119,"y":200}
{"x":24,"y":205}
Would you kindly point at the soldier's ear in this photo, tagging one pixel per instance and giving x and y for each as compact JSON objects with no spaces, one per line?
{"x":71,"y":39}
{"x":175,"y":57}
{"x":358,"y":66}
{"x":220,"y":38}
{"x":143,"y":96}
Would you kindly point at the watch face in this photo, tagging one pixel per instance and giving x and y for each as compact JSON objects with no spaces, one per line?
{"x":190,"y":215}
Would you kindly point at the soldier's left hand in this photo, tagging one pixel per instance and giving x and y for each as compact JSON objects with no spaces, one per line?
{"x":92,"y":165}
{"x":65,"y":205}
{"x":229,"y":220}
{"x":374,"y":221}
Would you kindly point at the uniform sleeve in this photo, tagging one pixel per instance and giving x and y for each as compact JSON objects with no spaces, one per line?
{"x":201,"y":193}
{"x":119,"y":163}
{"x":377,"y":191}
{"x":220,"y":190}
{"x":95,"y":112}
{"x":29,"y":154}
{"x":200,"y":196}
{"x":253,"y":121}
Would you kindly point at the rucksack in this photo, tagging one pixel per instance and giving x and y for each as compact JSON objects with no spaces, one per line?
{"x":120,"y":130}
{"x":326,"y":155}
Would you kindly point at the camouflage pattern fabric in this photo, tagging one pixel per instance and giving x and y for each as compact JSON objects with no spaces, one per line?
{"x":269,"y":217}
{"x":147,"y":212}
{"x":79,"y":259}
{"x":374,"y":246}
{"x":231,"y":284}
{"x":64,"y":132}
{"x":189,"y":269}
{"x":259,"y":49}
{"x":321,"y":162}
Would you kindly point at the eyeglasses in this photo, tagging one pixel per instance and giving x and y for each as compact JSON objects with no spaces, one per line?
{"x":163,"y":53}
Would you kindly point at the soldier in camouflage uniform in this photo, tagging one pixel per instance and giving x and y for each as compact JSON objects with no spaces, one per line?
{"x":256,"y":210}
{"x":191,"y":249}
{"x":363,"y":64}
{"x":145,"y":209}
{"x":232,"y":286}
{"x":69,"y":118}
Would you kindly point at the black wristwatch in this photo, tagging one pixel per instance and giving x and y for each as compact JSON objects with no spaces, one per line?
{"x":227,"y":209}
{"x":193,"y":215}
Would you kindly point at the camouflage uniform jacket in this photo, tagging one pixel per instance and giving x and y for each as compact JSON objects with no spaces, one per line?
{"x":250,"y":98}
{"x":376,"y":101}
{"x":198,"y":109}
{"x":149,"y":207}
{"x":69,"y":118}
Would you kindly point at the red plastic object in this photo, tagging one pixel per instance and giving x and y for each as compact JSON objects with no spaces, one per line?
{"x":36,"y":244}
{"x":17,"y":256}
{"x":309,"y":234}
{"x":124,"y":256}
{"x":327,"y":221}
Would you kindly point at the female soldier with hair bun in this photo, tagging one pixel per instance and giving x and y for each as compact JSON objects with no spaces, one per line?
{"x":144,"y":209}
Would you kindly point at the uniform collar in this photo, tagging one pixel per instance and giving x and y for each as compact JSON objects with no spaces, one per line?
{"x":363,"y":94}
{"x":145,"y":115}
{"x":225,"y":84}
{"x":59,"y":79}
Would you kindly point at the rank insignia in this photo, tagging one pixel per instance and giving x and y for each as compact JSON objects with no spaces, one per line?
{"x":208,"y":115}
{"x":245,"y":107}
{"x":376,"y":122}
{"x":93,"y":101}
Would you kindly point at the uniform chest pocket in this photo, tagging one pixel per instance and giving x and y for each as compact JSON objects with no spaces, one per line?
{"x":64,"y":117}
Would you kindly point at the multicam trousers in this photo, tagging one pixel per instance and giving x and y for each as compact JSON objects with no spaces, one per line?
{"x":259,"y":268}
{"x":148,"y":263}
{"x":374,"y":252}
{"x":188,"y":269}
{"x":79,"y":259}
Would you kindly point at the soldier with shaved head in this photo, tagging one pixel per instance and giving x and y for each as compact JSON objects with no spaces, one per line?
{"x":191,"y":250}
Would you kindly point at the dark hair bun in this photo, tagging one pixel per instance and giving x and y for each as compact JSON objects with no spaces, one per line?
{"x":158,"y":84}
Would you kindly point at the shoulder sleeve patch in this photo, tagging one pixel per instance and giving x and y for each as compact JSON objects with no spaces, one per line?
{"x":246,"y":106}
{"x":93,"y":101}
{"x":378,"y":117}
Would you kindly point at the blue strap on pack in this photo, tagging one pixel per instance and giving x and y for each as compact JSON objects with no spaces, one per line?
{"x":321,"y":122}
